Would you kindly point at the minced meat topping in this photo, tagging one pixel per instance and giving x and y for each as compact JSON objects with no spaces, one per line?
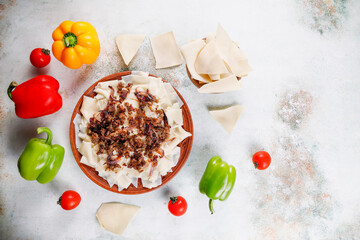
{"x":121,"y":130}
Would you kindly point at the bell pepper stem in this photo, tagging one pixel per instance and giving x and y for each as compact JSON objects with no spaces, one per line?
{"x":11,"y":87}
{"x":49,"y":134}
{"x":211,"y":206}
{"x":69,"y":40}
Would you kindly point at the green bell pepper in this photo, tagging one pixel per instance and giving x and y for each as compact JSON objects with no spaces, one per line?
{"x":40,"y":160}
{"x":218,"y":180}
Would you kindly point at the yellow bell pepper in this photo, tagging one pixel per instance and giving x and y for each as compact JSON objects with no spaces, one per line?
{"x":75,"y":44}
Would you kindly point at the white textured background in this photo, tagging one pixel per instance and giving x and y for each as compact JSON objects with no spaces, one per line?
{"x":301,"y":104}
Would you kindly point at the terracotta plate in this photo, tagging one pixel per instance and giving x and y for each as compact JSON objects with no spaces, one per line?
{"x":185,"y":145}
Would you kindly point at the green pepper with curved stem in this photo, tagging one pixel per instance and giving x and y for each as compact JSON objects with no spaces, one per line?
{"x":218,"y":180}
{"x":41,"y":160}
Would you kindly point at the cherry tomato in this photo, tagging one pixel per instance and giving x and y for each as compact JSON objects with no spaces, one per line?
{"x":40,"y":57}
{"x":177,"y":206}
{"x":261,"y":160}
{"x":69,"y":200}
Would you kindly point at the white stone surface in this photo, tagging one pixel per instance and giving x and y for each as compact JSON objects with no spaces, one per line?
{"x":301,"y":104}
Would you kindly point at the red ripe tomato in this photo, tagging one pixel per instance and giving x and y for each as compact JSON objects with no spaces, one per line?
{"x":177,"y":206}
{"x":69,"y":200}
{"x":261,"y":160}
{"x":40,"y":57}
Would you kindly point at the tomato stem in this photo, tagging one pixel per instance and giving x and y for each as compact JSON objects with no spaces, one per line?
{"x":69,"y":40}
{"x":256,"y":164}
{"x":45,"y":51}
{"x":59,"y":201}
{"x":173,"y":199}
{"x":11,"y":87}
{"x":211,"y":206}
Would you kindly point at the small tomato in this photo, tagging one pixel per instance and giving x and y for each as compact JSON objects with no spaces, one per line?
{"x":177,"y":206}
{"x":69,"y":200}
{"x":261,"y":160}
{"x":40,"y":57}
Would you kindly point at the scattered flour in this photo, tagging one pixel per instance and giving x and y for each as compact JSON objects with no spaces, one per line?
{"x":292,"y":201}
{"x":324,"y":15}
{"x":295,"y":107}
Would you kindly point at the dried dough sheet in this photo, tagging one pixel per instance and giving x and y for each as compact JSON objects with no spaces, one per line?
{"x":128,"y":45}
{"x":227,"y":117}
{"x":165,"y":50}
{"x":190,"y":52}
{"x":216,"y":59}
{"x":209,"y":60}
{"x":215,"y":77}
{"x":115,"y":217}
{"x":235,"y":58}
{"x":228,"y":84}
{"x":210,"y":37}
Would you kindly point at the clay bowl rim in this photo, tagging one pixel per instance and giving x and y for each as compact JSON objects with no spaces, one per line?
{"x":90,"y":172}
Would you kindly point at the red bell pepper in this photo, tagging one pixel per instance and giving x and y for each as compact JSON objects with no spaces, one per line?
{"x":36,"y":97}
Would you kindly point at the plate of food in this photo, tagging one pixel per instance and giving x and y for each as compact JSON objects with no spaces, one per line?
{"x":131,"y":132}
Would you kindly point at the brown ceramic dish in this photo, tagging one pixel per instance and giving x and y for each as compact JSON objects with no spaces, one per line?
{"x":195,"y":82}
{"x":185,"y":145}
